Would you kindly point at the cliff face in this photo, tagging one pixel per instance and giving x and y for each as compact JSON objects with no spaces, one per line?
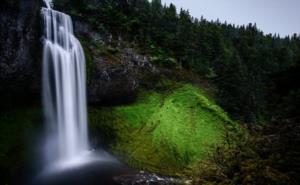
{"x":20,"y":49}
{"x":115,"y":71}
{"x":113,"y":77}
{"x":118,"y":81}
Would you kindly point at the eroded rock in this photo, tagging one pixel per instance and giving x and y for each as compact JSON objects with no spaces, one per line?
{"x":114,"y":77}
{"x":143,"y":178}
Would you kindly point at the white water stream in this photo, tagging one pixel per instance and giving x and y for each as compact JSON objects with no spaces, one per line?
{"x":64,"y":90}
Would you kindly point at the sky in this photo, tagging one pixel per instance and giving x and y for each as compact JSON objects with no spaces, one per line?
{"x":271,"y":16}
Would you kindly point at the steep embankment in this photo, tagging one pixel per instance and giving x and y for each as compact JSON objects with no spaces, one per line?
{"x":163,"y":131}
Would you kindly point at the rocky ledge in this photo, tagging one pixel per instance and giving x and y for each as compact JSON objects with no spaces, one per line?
{"x":143,"y":178}
{"x":115,"y":72}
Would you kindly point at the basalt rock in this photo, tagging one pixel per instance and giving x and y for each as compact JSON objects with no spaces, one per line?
{"x":119,"y":80}
{"x":142,"y":178}
{"x":20,"y":50}
{"x":115,"y":78}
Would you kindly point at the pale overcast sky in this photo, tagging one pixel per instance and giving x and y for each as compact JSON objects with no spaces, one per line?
{"x":271,"y":16}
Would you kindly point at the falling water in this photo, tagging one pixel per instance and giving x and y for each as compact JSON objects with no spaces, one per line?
{"x":64,"y":88}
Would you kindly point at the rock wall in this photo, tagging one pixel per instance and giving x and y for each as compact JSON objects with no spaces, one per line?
{"x":20,"y":49}
{"x":118,"y":81}
{"x":110,"y":80}
{"x":115,"y":78}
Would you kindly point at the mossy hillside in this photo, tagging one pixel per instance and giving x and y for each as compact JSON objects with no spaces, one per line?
{"x":164,"y":131}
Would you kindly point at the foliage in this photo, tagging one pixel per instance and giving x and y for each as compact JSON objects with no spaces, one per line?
{"x":269,"y":154}
{"x":241,"y":163}
{"x":239,"y":59}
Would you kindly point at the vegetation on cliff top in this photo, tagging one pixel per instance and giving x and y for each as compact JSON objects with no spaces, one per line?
{"x":241,"y":60}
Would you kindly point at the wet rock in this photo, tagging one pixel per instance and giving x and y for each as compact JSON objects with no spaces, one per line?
{"x":143,"y":178}
{"x":118,"y":80}
{"x":117,"y":77}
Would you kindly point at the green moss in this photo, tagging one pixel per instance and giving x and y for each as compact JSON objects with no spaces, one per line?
{"x":165,"y":131}
{"x":88,"y":56}
{"x":167,"y":62}
{"x":139,"y":113}
{"x":188,"y":121}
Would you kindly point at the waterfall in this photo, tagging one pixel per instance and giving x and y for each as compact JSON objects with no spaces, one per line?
{"x":64,"y":88}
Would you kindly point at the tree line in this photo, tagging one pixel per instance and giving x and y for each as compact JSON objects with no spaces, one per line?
{"x":241,"y":60}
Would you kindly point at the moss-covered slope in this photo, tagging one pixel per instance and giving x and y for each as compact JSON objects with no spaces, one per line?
{"x":164,"y":131}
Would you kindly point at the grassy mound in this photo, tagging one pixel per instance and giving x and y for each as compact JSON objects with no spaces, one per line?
{"x":164,"y":131}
